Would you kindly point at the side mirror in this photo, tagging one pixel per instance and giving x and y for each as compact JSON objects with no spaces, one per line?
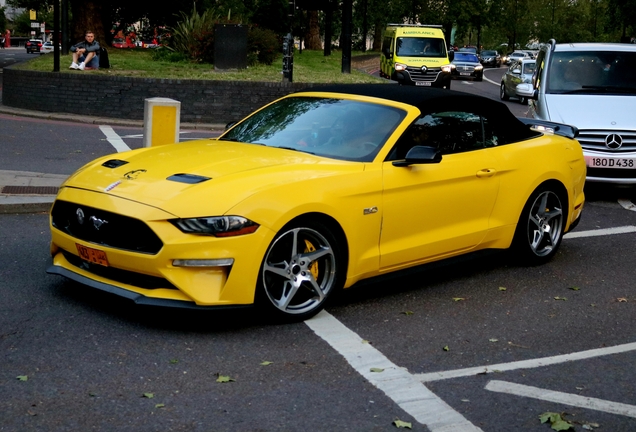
{"x":230,"y":125}
{"x":451,"y":55}
{"x":420,"y":155}
{"x":526,"y":90}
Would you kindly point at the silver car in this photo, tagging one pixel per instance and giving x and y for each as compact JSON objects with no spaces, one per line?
{"x":519,"y":72}
{"x":591,"y":86}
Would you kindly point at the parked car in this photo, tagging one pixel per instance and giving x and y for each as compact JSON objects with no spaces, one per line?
{"x":490,"y":58}
{"x":33,"y":46}
{"x":468,"y":49}
{"x":48,"y":47}
{"x":122,"y":43}
{"x":315,"y":192}
{"x":591,"y":86}
{"x":514,"y":56}
{"x":466,"y":65}
{"x":519,"y":72}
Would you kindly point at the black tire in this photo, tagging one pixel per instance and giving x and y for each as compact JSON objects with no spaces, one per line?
{"x":541,"y":226}
{"x":479,"y":79}
{"x":302,"y":268}
{"x":502,"y":92}
{"x":448,"y":85}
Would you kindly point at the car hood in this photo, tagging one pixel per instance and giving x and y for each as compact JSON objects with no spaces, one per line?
{"x":207,"y":176}
{"x":592,"y":111}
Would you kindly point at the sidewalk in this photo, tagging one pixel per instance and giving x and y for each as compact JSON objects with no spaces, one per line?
{"x":28,"y":192}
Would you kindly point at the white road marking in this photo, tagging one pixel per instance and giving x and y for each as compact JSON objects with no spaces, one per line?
{"x":114,"y":139}
{"x":563,"y":398}
{"x":601,"y":232}
{"x":627,"y":204}
{"x":524,"y":364}
{"x":397,"y":383}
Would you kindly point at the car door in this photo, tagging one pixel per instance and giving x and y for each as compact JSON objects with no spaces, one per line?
{"x":513,"y":78}
{"x":439,"y":209}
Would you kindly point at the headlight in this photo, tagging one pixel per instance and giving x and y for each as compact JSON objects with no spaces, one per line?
{"x":448,"y":68}
{"x":479,"y":67}
{"x":400,"y":67}
{"x":218,"y":226}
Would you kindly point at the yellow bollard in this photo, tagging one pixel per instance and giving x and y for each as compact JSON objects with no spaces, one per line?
{"x":162,"y":118}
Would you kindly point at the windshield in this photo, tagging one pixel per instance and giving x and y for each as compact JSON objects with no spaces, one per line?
{"x":593,"y":72}
{"x":488,"y":53}
{"x":420,"y":47}
{"x":466,"y":57}
{"x":336,"y":128}
{"x":528,"y":68}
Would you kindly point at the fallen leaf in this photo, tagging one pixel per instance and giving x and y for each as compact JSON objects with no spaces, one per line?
{"x":149,"y":395}
{"x":266,"y":363}
{"x":22,"y":377}
{"x":376,"y":370}
{"x":560,"y":298}
{"x":458,"y":298}
{"x":160,"y":405}
{"x":516,"y":345}
{"x":364,"y":341}
{"x":575,"y":288}
{"x":407,"y":313}
{"x":493,"y":340}
{"x":446,"y":348}
{"x":556,"y":421}
{"x":224,"y":379}
{"x":465,"y":400}
{"x":174,"y":361}
{"x":622,"y":300}
{"x":502,"y":288}
{"x":402,"y":424}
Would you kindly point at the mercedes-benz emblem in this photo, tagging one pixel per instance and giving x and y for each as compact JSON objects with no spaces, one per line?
{"x":613,"y":141}
{"x":80,"y":216}
{"x":424,"y":68}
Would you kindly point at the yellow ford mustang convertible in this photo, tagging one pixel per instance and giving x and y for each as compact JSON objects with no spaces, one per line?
{"x":315,"y":192}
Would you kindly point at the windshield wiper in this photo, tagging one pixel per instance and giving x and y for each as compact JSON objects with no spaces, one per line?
{"x":295,"y":149}
{"x":624,"y":89}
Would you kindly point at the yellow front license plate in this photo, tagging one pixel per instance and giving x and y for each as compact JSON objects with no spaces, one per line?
{"x":95,"y":256}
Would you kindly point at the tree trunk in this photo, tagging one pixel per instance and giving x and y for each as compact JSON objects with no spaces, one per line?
{"x":87,"y":15}
{"x":377,"y":36}
{"x":312,"y":38}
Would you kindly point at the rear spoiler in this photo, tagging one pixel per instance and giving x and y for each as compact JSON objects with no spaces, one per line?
{"x":553,"y":127}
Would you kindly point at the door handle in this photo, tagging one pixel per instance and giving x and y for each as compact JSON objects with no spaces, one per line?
{"x":488,"y":172}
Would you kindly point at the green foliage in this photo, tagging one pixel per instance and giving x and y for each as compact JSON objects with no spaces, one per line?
{"x":193,"y":35}
{"x":263,"y":46}
{"x":168,"y":55}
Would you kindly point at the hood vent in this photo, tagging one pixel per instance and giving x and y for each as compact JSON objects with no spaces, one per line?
{"x":188,"y":178}
{"x":114,"y":163}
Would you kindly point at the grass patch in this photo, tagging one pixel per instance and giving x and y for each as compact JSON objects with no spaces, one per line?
{"x":309,"y":67}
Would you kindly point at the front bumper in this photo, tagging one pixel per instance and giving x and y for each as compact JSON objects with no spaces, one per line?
{"x":151,"y":278}
{"x":414,"y":76}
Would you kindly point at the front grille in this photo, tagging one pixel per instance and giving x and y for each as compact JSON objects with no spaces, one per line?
{"x":104,"y":228}
{"x":464,"y":68}
{"x":593,"y":139}
{"x":417,"y":75}
{"x":122,"y":276}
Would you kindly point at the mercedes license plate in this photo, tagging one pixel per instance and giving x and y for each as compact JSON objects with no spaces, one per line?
{"x":422,"y":83}
{"x":619,"y":163}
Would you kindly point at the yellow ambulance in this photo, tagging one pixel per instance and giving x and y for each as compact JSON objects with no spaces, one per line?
{"x":415,"y":54}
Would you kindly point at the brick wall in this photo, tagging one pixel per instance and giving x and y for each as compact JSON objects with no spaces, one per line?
{"x":217,"y":102}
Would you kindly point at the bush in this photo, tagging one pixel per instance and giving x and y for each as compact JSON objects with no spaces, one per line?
{"x":193,"y":36}
{"x":263,"y":46}
{"x":166,"y":54}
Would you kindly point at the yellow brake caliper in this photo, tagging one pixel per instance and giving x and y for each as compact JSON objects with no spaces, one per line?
{"x":314,"y":266}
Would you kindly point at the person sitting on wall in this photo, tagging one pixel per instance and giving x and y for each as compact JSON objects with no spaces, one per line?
{"x":86,"y":53}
